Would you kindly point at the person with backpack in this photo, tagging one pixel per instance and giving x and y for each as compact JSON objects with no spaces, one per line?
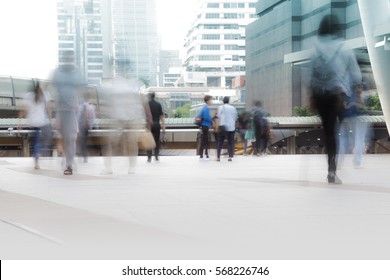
{"x":333,"y":73}
{"x":205,"y":124}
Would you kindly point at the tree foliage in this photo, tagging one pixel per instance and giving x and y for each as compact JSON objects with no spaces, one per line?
{"x":183,"y":111}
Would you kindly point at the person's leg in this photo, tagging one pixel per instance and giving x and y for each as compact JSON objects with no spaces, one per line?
{"x":69,"y":135}
{"x":327,"y":105}
{"x":156,"y":135}
{"x":230,"y":139}
{"x":205,"y":141}
{"x":84,"y":143}
{"x":360,"y":132}
{"x":202,"y":142}
{"x":132,"y":148}
{"x":221,"y":139}
{"x":257,"y":148}
{"x":36,"y":146}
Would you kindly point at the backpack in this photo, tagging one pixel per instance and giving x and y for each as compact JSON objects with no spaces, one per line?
{"x":324,"y":72}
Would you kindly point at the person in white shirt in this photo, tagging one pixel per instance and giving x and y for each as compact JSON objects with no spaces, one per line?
{"x":37,"y":112}
{"x":227,"y":115}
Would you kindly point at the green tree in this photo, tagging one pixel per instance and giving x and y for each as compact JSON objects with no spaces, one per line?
{"x":183,"y":111}
{"x":373,"y":103}
{"x":303,"y":111}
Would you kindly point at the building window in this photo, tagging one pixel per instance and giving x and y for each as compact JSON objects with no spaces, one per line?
{"x":95,"y":67}
{"x":241,"y":15}
{"x":232,"y":36}
{"x":210,"y":47}
{"x":211,"y":26}
{"x":252,"y":5}
{"x":241,"y":5}
{"x":212,"y":5}
{"x":231,"y":47}
{"x":230,"y":26}
{"x":213,"y":15}
{"x":230,"y":5}
{"x":66,"y":45}
{"x":98,"y":53}
{"x":95,"y":46}
{"x":209,"y":58}
{"x":65,"y":38}
{"x":210,"y":36}
{"x":230,"y":15}
{"x":253,"y":16}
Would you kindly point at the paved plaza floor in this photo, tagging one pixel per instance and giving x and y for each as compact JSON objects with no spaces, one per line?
{"x":270,"y":207}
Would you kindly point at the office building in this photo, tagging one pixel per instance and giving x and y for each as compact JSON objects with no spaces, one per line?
{"x":215,"y":44}
{"x":135,"y":40}
{"x":80,"y":32}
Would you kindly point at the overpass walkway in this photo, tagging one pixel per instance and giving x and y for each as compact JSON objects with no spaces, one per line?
{"x":270,"y":207}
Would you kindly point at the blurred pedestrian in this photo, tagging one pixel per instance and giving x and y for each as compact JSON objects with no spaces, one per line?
{"x":333,"y":73}
{"x":207,"y":122}
{"x":261,"y":128}
{"x":37,"y":111}
{"x":129,"y":116}
{"x":227,"y":127}
{"x":68,"y":82}
{"x":243,"y":122}
{"x":157,"y":116}
{"x":86,"y":120}
{"x":353,"y":130}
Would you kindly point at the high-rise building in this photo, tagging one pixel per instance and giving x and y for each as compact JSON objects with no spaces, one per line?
{"x":215,"y":44}
{"x":80,"y":32}
{"x":168,"y":59}
{"x":290,"y":28}
{"x":135,"y":39}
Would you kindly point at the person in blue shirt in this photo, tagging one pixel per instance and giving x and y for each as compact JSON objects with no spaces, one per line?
{"x":206,"y":124}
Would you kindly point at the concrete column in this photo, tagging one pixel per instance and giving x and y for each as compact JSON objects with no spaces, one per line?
{"x":375,"y":16}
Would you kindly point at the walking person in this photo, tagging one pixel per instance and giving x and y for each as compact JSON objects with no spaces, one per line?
{"x":243,"y":121}
{"x":68,"y":81}
{"x":261,"y":128}
{"x":352,"y":130}
{"x":334,"y":72}
{"x":37,"y":111}
{"x":157,"y":116}
{"x":207,"y":122}
{"x":86,"y":122}
{"x":227,"y":127}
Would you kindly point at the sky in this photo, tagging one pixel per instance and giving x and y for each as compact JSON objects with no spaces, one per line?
{"x":174,"y":19}
{"x":28,"y":33}
{"x":28,"y":39}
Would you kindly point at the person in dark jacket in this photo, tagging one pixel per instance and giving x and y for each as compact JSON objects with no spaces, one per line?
{"x":157,"y":116}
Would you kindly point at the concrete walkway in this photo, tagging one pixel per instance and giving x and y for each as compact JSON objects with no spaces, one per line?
{"x":272,"y":207}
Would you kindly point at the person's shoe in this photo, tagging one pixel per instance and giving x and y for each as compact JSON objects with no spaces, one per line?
{"x":68,"y":171}
{"x":230,"y":159}
{"x":334,"y":179}
{"x":157,"y":159}
{"x":218,"y":159}
{"x":131,"y":170}
{"x":149,"y":160}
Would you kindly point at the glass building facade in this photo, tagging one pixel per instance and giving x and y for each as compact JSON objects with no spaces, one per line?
{"x":285,"y":27}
